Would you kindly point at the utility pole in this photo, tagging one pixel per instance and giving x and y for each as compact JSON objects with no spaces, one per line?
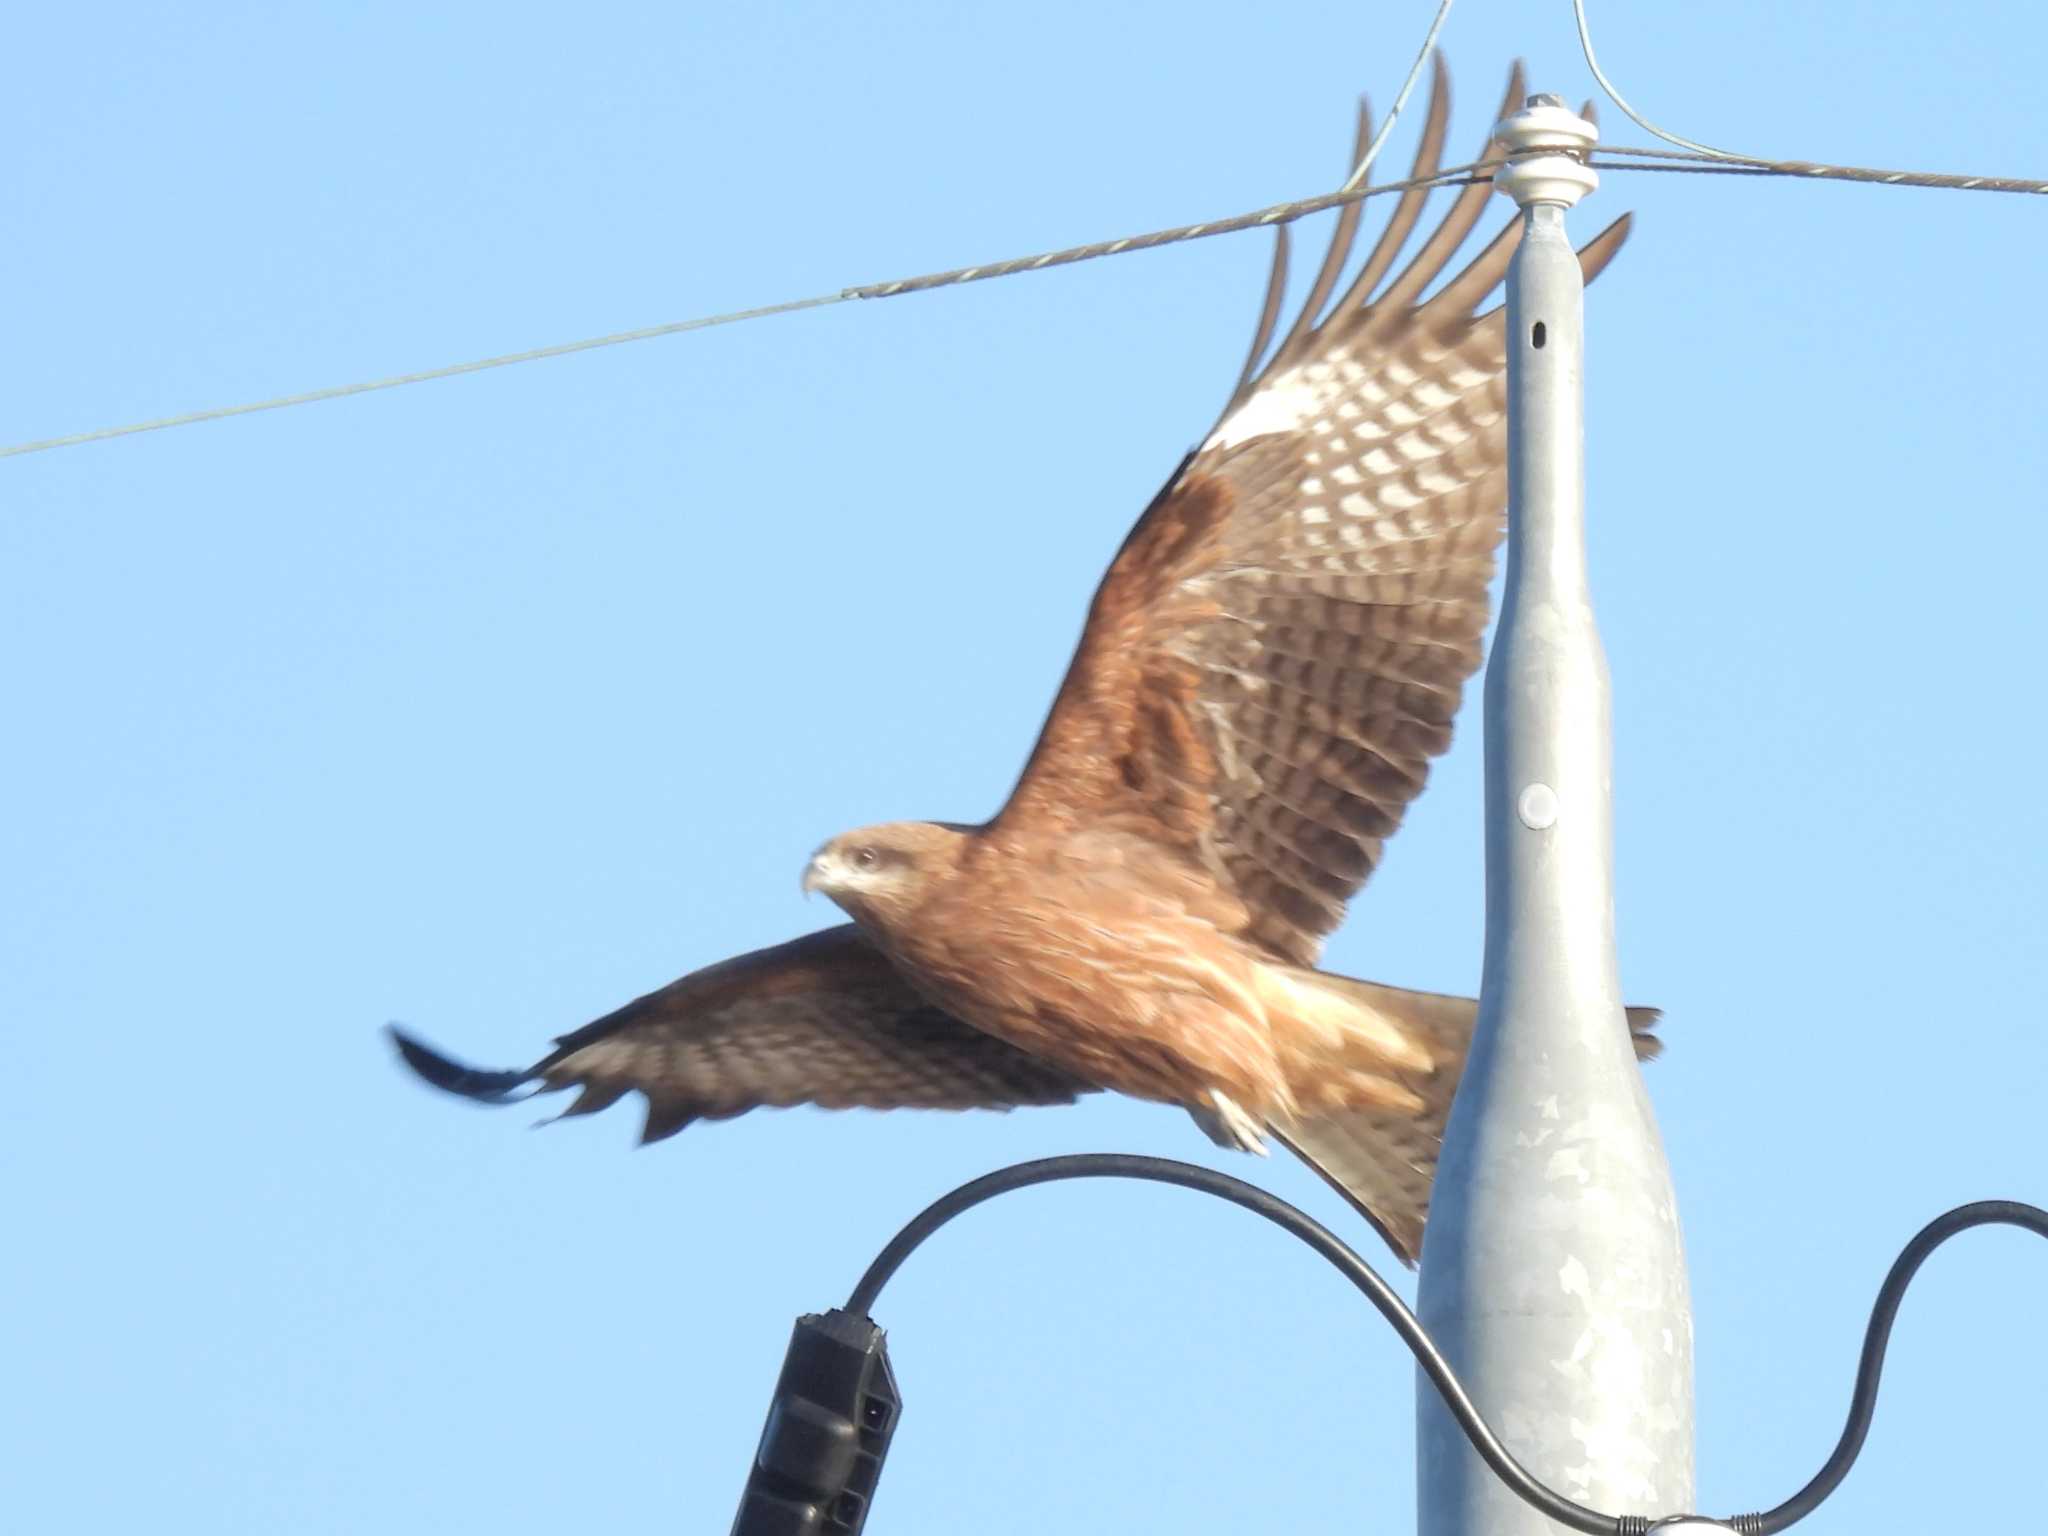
{"x":1553,"y":1272}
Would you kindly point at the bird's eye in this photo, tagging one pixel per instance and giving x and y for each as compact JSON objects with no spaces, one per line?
{"x":865,"y":858}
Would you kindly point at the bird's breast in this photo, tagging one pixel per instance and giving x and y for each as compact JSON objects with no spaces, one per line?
{"x":1111,"y":979}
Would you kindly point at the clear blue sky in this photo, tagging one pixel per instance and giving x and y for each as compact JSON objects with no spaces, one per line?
{"x":490,"y":704}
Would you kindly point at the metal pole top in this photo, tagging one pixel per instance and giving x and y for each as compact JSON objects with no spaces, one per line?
{"x":1531,"y":176}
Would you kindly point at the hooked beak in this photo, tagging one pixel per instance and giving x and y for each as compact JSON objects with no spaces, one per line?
{"x":813,"y":876}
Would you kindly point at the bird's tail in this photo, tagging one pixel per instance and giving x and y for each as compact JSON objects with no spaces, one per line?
{"x":1382,"y":1157}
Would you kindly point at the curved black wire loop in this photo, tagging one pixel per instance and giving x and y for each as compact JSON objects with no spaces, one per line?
{"x":1160,"y":1170}
{"x":1538,"y":1495}
{"x":1863,"y":1398}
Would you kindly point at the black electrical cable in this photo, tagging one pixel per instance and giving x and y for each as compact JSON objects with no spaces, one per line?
{"x":1159,"y":1170}
{"x":1863,"y":1400}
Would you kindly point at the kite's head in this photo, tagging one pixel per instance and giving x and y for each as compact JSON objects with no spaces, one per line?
{"x":882,"y":871}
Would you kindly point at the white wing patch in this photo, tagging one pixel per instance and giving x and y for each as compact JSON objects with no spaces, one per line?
{"x":1283,"y":405}
{"x":1384,"y":422}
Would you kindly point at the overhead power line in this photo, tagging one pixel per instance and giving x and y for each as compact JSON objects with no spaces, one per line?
{"x":451,"y":370}
{"x":1691,"y":156}
{"x":1278,"y":213}
{"x":1721,"y":163}
{"x":1642,"y":122}
{"x":1624,"y":158}
{"x":1694,"y":156}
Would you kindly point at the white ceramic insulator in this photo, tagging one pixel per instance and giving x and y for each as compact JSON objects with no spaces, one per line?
{"x":1562,"y":178}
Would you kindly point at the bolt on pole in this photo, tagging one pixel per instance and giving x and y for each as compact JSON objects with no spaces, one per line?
{"x":1553,"y":1272}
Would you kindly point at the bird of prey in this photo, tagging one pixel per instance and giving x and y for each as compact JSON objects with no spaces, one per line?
{"x":1269,"y":665}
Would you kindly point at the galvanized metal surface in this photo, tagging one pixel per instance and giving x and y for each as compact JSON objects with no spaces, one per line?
{"x":1553,"y":1272}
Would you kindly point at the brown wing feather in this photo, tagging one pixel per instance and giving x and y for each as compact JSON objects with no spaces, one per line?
{"x":1279,"y":648}
{"x":824,"y":1019}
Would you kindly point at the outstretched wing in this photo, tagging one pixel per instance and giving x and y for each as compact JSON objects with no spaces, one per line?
{"x":824,"y":1019}
{"x":1279,"y":648}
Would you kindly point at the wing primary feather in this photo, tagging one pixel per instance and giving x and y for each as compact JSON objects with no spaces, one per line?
{"x":1437,"y":250}
{"x":1457,"y":224}
{"x":596,"y":1097}
{"x":1482,"y":274}
{"x":1603,"y":247}
{"x":1594,"y":257}
{"x":1269,"y":317}
{"x":1338,"y":253}
{"x":1428,"y":156}
{"x":451,"y":1076}
{"x":1451,"y":232}
{"x":664,"y":1118}
{"x":1518,"y":88}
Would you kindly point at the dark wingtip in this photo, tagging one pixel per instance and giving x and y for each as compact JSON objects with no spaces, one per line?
{"x":451,"y":1076}
{"x":1597,"y":252}
{"x":1517,"y":93}
{"x":664,"y":1119}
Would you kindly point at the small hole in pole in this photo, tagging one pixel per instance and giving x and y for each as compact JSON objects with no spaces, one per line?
{"x":1536,"y":336}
